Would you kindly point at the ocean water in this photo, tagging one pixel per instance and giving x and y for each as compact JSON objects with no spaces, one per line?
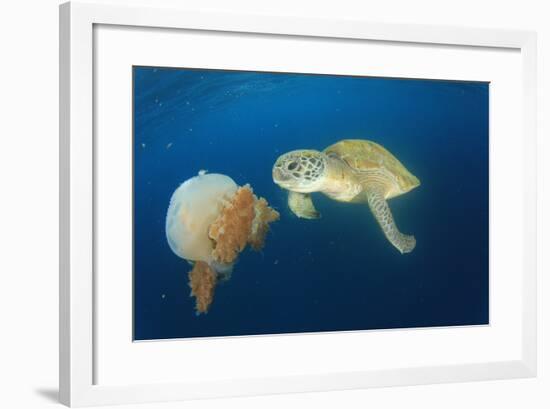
{"x":339,"y":272}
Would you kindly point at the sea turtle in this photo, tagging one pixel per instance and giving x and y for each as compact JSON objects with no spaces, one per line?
{"x":351,"y":170}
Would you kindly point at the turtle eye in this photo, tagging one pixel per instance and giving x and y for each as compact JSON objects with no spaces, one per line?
{"x":292,"y":165}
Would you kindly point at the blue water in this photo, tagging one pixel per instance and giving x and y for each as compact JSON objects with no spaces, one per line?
{"x":338,"y":272}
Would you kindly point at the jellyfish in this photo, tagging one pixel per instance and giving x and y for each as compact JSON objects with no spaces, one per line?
{"x":210,"y":221}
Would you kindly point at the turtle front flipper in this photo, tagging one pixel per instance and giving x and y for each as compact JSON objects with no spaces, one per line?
{"x":302,"y":206}
{"x":381,"y":211}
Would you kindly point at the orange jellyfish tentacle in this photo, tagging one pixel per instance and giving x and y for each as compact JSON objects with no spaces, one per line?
{"x":260,"y":225}
{"x":244,"y":220}
{"x":230,"y":231}
{"x":202,"y":280}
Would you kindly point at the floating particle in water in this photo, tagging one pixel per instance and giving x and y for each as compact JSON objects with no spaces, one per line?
{"x":143,"y":146}
{"x":190,"y":129}
{"x":276,"y":262}
{"x":187,"y":103}
{"x":163,"y":296}
{"x":156,"y":100}
{"x":276,"y":125}
{"x":169,"y":145}
{"x":155,"y":69}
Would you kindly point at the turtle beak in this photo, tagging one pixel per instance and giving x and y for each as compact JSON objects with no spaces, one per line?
{"x":278,"y":175}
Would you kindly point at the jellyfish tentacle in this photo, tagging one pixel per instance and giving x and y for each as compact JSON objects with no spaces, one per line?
{"x":202,"y":280}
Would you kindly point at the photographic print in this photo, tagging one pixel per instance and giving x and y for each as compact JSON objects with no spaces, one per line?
{"x":278,"y":203}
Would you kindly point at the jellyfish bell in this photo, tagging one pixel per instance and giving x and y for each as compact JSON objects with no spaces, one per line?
{"x":194,"y":206}
{"x":210,"y":221}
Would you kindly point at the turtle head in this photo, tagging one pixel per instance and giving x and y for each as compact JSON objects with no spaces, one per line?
{"x":300,"y":171}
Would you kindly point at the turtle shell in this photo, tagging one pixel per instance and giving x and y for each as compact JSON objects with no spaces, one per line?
{"x":363,"y":156}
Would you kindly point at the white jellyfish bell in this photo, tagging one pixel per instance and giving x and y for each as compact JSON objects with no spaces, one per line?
{"x":194,"y":206}
{"x":209,"y":222}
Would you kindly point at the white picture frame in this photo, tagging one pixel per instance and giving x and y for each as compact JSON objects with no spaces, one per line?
{"x":78,"y":385}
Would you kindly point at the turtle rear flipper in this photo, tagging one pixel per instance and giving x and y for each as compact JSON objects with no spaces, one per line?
{"x":302,"y":206}
{"x":381,"y":211}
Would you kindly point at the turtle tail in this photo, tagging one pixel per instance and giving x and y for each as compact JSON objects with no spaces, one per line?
{"x":381,"y":211}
